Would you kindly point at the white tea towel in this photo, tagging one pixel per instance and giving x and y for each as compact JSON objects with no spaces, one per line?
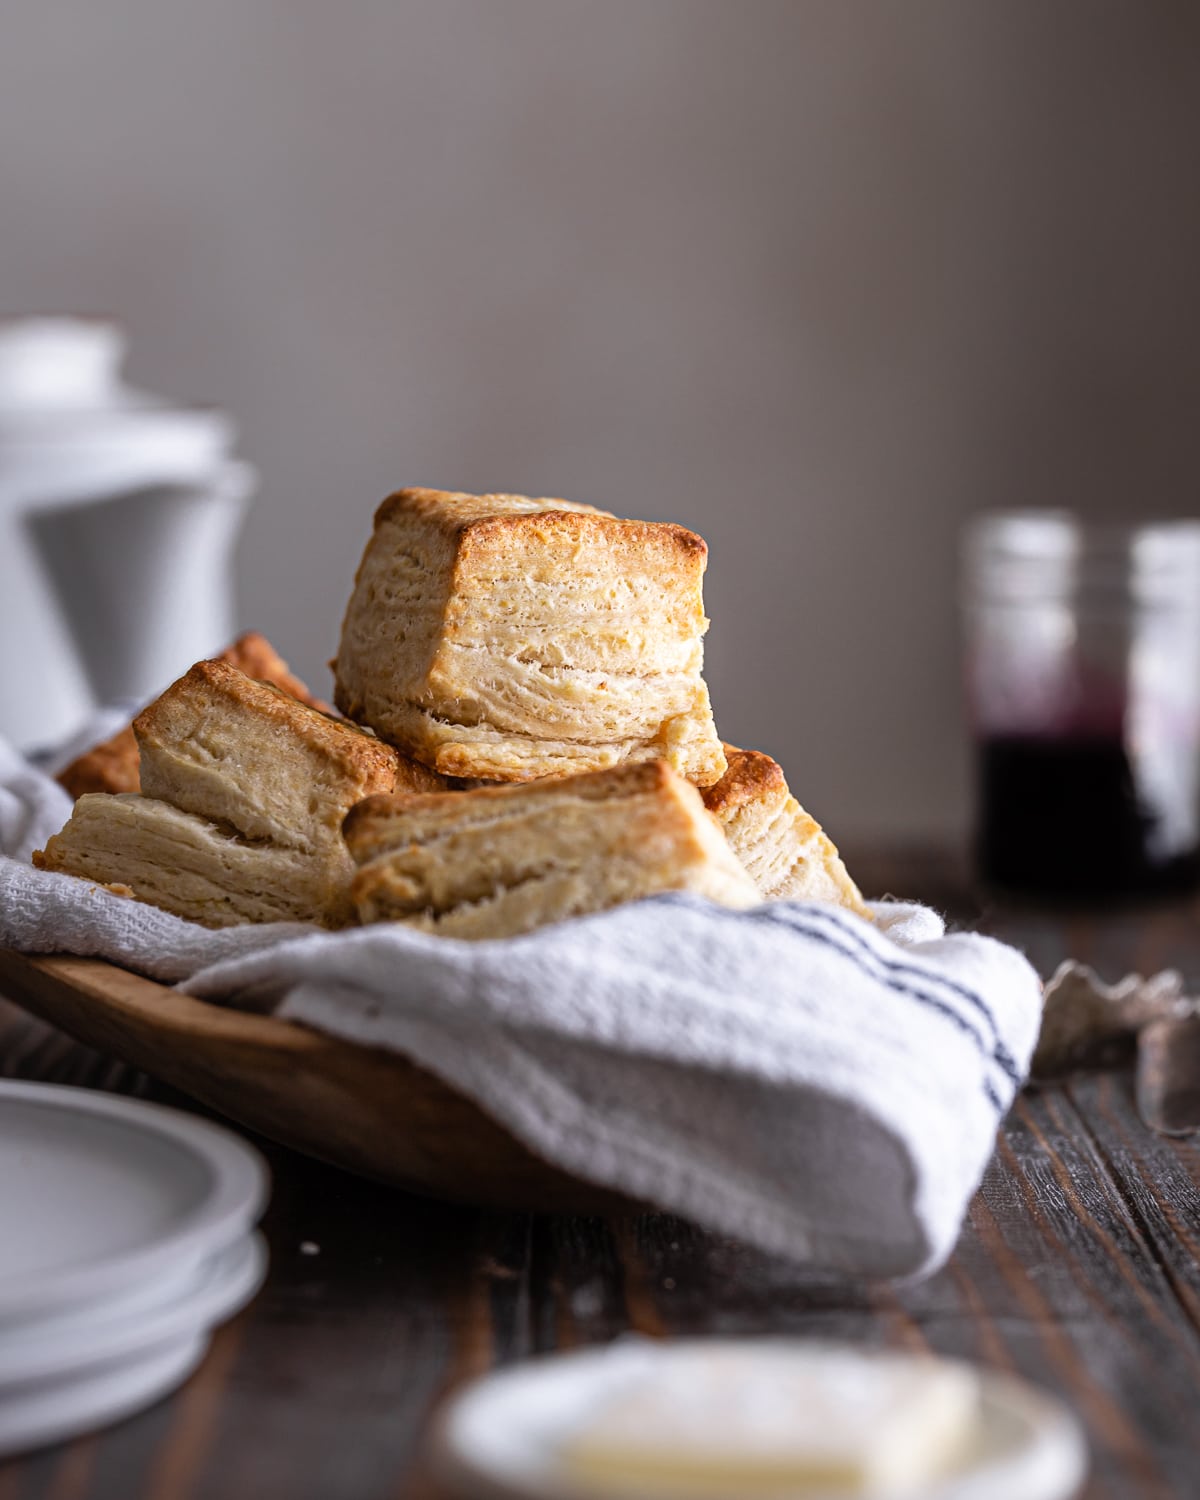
{"x":793,"y":1076}
{"x":32,"y":807}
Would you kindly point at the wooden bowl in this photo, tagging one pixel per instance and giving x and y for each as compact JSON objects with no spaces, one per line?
{"x":369,"y":1111}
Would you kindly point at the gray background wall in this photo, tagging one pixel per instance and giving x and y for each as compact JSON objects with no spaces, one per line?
{"x":816,"y":278}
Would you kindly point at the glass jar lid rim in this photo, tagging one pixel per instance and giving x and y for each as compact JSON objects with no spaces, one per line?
{"x":1054,"y":533}
{"x":1048,"y":554}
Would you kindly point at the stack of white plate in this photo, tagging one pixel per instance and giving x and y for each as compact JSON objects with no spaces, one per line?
{"x":126,"y":1236}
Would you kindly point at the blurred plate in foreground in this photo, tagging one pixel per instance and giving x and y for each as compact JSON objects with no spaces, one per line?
{"x":126,"y":1236}
{"x":731,"y":1419}
{"x":105,"y":1194}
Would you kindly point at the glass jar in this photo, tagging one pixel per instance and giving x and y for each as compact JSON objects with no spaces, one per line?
{"x":1083,"y":689}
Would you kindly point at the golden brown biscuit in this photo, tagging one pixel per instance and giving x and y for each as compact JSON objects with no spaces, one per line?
{"x":245,"y":793}
{"x":112,"y":765}
{"x":224,"y":747}
{"x":505,"y":638}
{"x":785,"y":851}
{"x":503,"y":860}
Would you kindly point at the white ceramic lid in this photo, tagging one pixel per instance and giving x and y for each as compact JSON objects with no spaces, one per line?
{"x":58,"y":362}
{"x":102,"y":1194}
{"x":70,"y":427}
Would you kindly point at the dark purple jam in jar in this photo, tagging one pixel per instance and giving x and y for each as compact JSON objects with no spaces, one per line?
{"x":1074,"y":818}
{"x":1083,"y":685}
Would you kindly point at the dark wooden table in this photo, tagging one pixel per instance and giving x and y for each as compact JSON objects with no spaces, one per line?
{"x":1079,"y":1267}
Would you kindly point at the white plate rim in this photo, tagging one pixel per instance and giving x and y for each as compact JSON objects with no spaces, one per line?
{"x":222,"y":1285}
{"x":1054,"y":1467}
{"x":239,"y":1189}
{"x":97,"y":1400}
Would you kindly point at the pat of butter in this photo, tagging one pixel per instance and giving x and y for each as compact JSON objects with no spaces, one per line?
{"x":745,"y":1419}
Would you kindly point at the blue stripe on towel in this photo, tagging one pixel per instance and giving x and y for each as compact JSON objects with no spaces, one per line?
{"x":882,"y":970}
{"x":999,"y":1052}
{"x":1003,"y":1056}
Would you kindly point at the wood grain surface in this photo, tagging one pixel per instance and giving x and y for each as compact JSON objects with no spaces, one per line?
{"x":1079,"y":1267}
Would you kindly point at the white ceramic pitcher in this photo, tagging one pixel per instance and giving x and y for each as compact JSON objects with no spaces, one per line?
{"x":118,"y":515}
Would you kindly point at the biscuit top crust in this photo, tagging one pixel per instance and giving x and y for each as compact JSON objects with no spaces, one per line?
{"x":491,"y":517}
{"x":751,"y":775}
{"x":171,"y":717}
{"x":461,"y":510}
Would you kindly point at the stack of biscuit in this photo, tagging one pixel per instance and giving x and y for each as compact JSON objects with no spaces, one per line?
{"x":528,"y":737}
